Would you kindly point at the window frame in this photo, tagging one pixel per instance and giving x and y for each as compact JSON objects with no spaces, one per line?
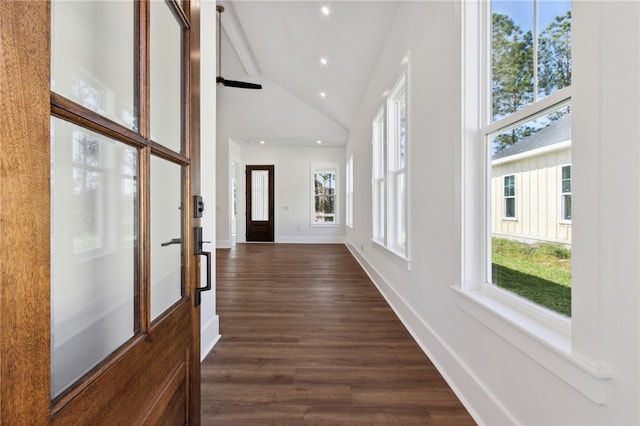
{"x":378,"y":177}
{"x":397,"y":232}
{"x":563,"y":194}
{"x":511,"y":197}
{"x":349,"y":193}
{"x":569,"y":349}
{"x":331,"y":168}
{"x":390,"y":171}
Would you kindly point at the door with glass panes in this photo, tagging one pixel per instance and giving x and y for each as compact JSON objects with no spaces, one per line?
{"x":115,"y":321}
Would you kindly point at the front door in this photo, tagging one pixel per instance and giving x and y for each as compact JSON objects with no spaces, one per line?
{"x":260,"y":199}
{"x":99,"y":320}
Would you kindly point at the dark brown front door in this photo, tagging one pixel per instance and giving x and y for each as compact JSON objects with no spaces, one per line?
{"x":100,"y":153}
{"x":260,"y":199}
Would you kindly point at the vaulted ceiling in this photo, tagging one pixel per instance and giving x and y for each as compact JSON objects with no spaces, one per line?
{"x":281,"y":44}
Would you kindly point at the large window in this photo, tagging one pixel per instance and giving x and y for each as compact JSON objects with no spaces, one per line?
{"x":390,"y":171}
{"x":324,"y":195}
{"x":515,"y":276}
{"x":379,"y":181}
{"x":527,"y":136}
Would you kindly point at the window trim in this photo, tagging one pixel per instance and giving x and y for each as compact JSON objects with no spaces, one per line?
{"x":563,"y":220}
{"x":315,"y":167}
{"x":379,"y":178}
{"x":569,"y":349}
{"x":506,"y":198}
{"x":390,"y":185}
{"x":349,"y":193}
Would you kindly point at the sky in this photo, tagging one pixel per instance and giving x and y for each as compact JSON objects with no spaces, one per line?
{"x":521,"y":11}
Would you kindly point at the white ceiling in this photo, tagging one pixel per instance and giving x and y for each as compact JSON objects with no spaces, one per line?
{"x":279,"y":45}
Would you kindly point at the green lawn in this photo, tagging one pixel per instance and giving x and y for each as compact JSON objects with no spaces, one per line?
{"x":540,"y":272}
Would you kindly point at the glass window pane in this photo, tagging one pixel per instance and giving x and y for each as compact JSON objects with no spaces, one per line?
{"x":531,"y":256}
{"x":401,"y":193}
{"x":402,"y":123}
{"x":166,"y":235}
{"x":324,"y":183}
{"x":566,"y":207}
{"x":259,"y":194}
{"x":554,"y":46}
{"x":512,"y":79}
{"x":92,"y":56}
{"x":93,"y":230}
{"x":166,"y":77}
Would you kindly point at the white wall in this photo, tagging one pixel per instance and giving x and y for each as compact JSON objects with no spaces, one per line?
{"x":209,"y":321}
{"x":293,"y":188}
{"x":498,"y":381}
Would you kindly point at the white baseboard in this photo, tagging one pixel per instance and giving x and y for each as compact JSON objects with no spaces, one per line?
{"x":481,"y":404}
{"x":223,"y":244}
{"x":209,"y":336}
{"x":307,"y":239}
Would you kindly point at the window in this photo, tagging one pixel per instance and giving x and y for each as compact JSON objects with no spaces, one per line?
{"x":379,"y":181}
{"x":389,"y":171}
{"x":349,"y":193}
{"x":566,"y":193}
{"x":528,"y":138}
{"x":510,"y":196}
{"x":397,"y":166}
{"x":324,"y":195}
{"x":559,"y":337}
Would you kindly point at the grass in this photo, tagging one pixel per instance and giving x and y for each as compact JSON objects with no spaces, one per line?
{"x":538,"y":272}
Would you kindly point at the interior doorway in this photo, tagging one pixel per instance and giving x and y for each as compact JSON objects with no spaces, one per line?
{"x":260,"y":199}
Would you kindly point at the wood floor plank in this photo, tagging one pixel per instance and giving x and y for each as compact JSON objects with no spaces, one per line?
{"x":308,"y":340}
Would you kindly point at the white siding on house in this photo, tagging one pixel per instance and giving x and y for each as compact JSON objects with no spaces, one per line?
{"x":538,"y":198}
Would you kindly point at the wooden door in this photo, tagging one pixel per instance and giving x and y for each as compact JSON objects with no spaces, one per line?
{"x":100,"y":160}
{"x":260,"y":210}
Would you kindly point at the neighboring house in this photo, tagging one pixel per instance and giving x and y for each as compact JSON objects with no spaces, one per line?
{"x":531,"y":187}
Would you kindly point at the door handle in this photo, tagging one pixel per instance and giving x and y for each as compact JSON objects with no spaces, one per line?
{"x":172,"y":241}
{"x":197,"y":241}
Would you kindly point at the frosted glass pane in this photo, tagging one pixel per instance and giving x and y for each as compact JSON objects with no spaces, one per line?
{"x":166,"y":235}
{"x":260,"y":195}
{"x":92,"y":56}
{"x":166,"y":77}
{"x":93,"y":231}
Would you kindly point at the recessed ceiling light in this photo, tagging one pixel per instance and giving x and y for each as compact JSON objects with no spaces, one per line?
{"x":319,"y":142}
{"x":261,"y":142}
{"x":322,"y":94}
{"x":325,"y":10}
{"x":323,"y":61}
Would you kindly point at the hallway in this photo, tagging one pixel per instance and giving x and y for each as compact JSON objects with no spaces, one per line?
{"x":308,"y":339}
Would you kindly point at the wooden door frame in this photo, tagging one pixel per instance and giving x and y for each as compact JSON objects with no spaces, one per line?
{"x":24,"y":239}
{"x":25,"y":114}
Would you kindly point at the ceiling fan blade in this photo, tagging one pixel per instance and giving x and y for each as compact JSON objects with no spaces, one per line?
{"x":238,"y":84}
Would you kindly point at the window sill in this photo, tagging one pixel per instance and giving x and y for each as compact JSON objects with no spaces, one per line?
{"x":565,"y":222}
{"x":399,"y":257}
{"x":547,"y":342}
{"x":510,"y":219}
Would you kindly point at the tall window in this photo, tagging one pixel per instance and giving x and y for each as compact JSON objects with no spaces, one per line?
{"x":566,"y":193}
{"x":324,"y":195}
{"x":528,"y":138}
{"x":390,"y":171}
{"x":510,"y":196}
{"x":379,"y":178}
{"x":397,"y":165}
{"x":349,"y":193}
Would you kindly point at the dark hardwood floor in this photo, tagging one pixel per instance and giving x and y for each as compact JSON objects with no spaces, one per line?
{"x":308,"y":339}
